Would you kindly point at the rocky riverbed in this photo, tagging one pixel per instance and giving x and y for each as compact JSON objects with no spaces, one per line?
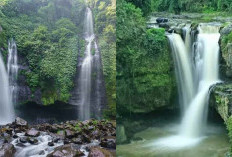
{"x":74,"y":138}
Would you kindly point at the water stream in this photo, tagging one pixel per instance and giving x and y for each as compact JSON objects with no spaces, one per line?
{"x":12,"y":69}
{"x":6,"y":106}
{"x":195,"y":77}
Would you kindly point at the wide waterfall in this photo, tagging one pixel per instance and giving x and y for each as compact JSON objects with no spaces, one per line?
{"x":6,"y":106}
{"x":197,"y":69}
{"x":12,"y":68}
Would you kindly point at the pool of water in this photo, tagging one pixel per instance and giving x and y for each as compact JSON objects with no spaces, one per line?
{"x":163,"y":141}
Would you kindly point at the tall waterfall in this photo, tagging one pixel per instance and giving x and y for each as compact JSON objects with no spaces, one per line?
{"x":12,"y":68}
{"x":86,"y":68}
{"x":6,"y":107}
{"x":196,"y":70}
{"x":89,"y":94}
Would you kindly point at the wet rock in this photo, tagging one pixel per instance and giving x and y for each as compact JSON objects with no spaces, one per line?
{"x":77,"y":140}
{"x":61,"y":133}
{"x":50,"y":144}
{"x":32,"y":132}
{"x":69,"y":134}
{"x":15,"y":136}
{"x":33,"y":141}
{"x":86,"y":138}
{"x":53,"y":129}
{"x":56,"y":153}
{"x":20,"y":145}
{"x":23,"y":139}
{"x":7,"y":150}
{"x":67,"y":141}
{"x":42,"y":152}
{"x":161,"y":20}
{"x":91,"y":128}
{"x":96,"y":134}
{"x":99,"y":152}
{"x":20,"y":122}
{"x":108,"y":142}
{"x":86,"y":122}
{"x":17,"y":130}
{"x":68,"y":150}
{"x":56,"y":139}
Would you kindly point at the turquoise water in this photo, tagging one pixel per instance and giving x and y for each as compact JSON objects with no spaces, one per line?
{"x":213,"y":143}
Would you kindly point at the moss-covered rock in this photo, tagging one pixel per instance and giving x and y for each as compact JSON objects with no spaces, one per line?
{"x":226,"y":52}
{"x":221,"y":99}
{"x":121,"y":135}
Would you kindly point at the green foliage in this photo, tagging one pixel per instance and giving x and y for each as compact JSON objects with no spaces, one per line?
{"x":48,"y":38}
{"x":143,"y":63}
{"x":105,"y":19}
{"x":204,"y":6}
{"x":229,"y":128}
{"x":144,"y":5}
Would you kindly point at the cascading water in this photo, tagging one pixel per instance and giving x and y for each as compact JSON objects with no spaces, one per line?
{"x":195,"y":76}
{"x":183,"y":69}
{"x":12,"y":68}
{"x":89,"y":91}
{"x":86,"y":68}
{"x":207,"y":63}
{"x":91,"y":84}
{"x":6,"y":107}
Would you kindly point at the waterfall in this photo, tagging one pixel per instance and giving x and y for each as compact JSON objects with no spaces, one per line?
{"x":206,"y":66}
{"x":90,"y":81}
{"x":12,"y":68}
{"x":6,"y":107}
{"x":196,"y":70}
{"x":183,"y":69}
{"x":86,"y":68}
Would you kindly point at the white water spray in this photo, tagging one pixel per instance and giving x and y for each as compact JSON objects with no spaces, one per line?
{"x":6,"y":107}
{"x":194,"y":81}
{"x":86,"y":68}
{"x":12,"y":68}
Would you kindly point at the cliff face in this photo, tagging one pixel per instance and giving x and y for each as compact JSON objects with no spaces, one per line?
{"x":24,"y":92}
{"x":221,"y":94}
{"x":221,"y":99}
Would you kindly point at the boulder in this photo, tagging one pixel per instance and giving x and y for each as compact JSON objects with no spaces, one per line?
{"x":99,"y":152}
{"x":33,"y":141}
{"x":108,"y":142}
{"x":20,"y":122}
{"x":32,"y":132}
{"x":23,"y":139}
{"x":161,"y":20}
{"x":7,"y":150}
{"x":77,"y":140}
{"x":69,"y":150}
{"x":50,"y":144}
{"x":226,"y":30}
{"x":69,"y":134}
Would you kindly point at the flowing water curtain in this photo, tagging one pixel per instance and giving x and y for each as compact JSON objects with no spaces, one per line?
{"x":6,"y":106}
{"x":12,"y":68}
{"x":91,"y":77}
{"x":195,"y":76}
